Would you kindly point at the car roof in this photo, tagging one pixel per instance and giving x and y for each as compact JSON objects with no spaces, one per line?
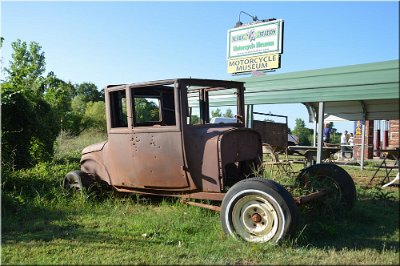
{"x":194,"y":81}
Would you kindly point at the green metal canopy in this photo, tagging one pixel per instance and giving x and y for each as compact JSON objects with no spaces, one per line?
{"x":357,"y":92}
{"x":365,"y":91}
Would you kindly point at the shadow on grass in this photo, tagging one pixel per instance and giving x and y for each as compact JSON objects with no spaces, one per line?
{"x":60,"y":226}
{"x":45,"y":225}
{"x":35,"y":209}
{"x":372,"y":223}
{"x":30,"y":223}
{"x":32,"y":205}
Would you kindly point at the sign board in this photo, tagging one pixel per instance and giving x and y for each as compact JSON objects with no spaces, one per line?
{"x":248,"y":64}
{"x":255,"y":39}
{"x":358,"y":127}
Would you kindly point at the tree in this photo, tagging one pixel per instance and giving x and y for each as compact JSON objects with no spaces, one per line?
{"x":35,"y":107}
{"x":304,"y":134}
{"x":77,"y":119}
{"x":146,"y":111}
{"x":26,"y":67}
{"x":78,"y":104}
{"x":29,"y":126}
{"x":59,"y":94}
{"x":194,"y":119}
{"x":95,"y":116}
{"x":89,"y":92}
{"x":216,"y":113}
{"x":228,"y":113}
{"x":16,"y":126}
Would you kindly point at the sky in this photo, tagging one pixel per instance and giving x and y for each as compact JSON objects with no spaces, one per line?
{"x":131,"y":41}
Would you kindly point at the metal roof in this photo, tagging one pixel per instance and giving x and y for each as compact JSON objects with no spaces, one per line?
{"x":348,"y":92}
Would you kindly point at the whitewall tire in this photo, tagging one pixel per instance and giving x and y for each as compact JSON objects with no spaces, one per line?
{"x":258,"y":210}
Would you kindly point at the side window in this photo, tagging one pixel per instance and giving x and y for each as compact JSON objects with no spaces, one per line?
{"x":147,"y":110}
{"x":153,"y":106}
{"x":118,"y":109}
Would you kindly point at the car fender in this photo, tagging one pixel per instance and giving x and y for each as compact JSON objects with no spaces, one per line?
{"x":92,"y":162}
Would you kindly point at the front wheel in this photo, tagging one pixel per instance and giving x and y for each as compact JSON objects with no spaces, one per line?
{"x":258,"y":210}
{"x":77,"y":181}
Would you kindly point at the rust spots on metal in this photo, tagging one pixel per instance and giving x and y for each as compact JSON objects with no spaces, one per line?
{"x":310,"y":197}
{"x":256,"y":218}
{"x":203,"y":205}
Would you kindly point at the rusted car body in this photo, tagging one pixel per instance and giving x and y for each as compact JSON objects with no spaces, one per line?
{"x":161,"y":142}
{"x":172,"y":156}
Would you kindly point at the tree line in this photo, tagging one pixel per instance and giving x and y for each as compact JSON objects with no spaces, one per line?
{"x":36,"y":107}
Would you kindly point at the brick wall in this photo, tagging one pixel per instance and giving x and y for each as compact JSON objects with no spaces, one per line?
{"x":369,"y":137}
{"x":393,"y":134}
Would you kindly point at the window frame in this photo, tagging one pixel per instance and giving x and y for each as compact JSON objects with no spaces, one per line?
{"x":204,"y":101}
{"x":109,"y":110}
{"x":156,"y":128}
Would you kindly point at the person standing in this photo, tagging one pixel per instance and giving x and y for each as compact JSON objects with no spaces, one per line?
{"x":351,"y":143}
{"x":343,"y":143}
{"x":327,"y":133}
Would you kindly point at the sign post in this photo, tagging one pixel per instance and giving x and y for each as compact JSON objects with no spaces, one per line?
{"x":255,"y":47}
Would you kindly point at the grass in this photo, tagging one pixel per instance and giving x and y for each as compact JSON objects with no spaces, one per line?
{"x":43,"y":225}
{"x":68,"y":147}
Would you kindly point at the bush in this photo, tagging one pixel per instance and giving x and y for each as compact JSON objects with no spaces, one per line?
{"x":35,"y":108}
{"x":28,"y":129}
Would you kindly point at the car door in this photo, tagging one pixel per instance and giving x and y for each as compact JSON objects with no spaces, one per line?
{"x":146,"y":147}
{"x":156,"y":139}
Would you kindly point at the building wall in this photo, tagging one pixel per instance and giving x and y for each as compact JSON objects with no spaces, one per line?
{"x":369,"y":137}
{"x":393,"y":138}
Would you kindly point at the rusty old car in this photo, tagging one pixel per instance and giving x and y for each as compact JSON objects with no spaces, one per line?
{"x":161,"y":142}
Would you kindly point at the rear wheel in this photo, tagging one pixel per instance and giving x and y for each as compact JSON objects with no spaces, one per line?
{"x":334,"y":180}
{"x":258,"y":210}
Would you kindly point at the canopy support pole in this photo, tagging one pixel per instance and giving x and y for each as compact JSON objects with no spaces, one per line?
{"x":362,"y":144}
{"x":315,"y":133}
{"x":364,"y":116}
{"x":312,"y":117}
{"x":249,"y":115}
{"x":321,"y":110}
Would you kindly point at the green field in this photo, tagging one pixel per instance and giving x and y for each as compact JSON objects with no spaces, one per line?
{"x":43,"y":225}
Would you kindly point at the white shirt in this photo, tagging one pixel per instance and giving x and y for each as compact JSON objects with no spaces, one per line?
{"x":343,"y":139}
{"x":351,"y":141}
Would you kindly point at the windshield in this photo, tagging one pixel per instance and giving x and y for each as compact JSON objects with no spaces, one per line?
{"x":213,"y":105}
